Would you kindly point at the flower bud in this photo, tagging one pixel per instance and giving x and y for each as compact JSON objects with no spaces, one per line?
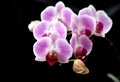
{"x":32,"y":25}
{"x":79,"y":67}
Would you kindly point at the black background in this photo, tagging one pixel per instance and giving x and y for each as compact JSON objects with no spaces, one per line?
{"x":17,"y":54}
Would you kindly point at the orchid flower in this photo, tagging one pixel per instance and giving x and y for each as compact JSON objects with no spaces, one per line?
{"x":81,"y":45}
{"x":57,"y":22}
{"x":104,"y":22}
{"x":50,"y":29}
{"x":60,"y":51}
{"x":83,"y":25}
{"x":58,"y":12}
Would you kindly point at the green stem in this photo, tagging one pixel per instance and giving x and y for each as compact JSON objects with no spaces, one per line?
{"x":111,"y":76}
{"x":71,"y":59}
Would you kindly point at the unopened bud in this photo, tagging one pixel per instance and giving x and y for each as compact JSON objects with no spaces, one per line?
{"x":79,"y":67}
{"x":32,"y":25}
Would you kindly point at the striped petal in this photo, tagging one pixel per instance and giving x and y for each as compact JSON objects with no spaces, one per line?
{"x":60,"y":29}
{"x":41,"y":47}
{"x":48,"y":13}
{"x":66,"y":17}
{"x":85,"y":43}
{"x":106,"y":21}
{"x":64,"y":50}
{"x":59,"y":6}
{"x":73,"y":41}
{"x":88,"y":22}
{"x":40,"y":29}
{"x":90,"y":10}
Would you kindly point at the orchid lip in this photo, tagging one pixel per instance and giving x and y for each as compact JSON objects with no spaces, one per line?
{"x":87,"y":32}
{"x":46,"y":35}
{"x":99,"y":27}
{"x":80,"y":53}
{"x":51,"y":57}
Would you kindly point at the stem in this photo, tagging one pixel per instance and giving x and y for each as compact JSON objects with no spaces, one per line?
{"x":69,"y":33}
{"x":112,"y":44}
{"x":71,"y":59}
{"x":115,"y":79}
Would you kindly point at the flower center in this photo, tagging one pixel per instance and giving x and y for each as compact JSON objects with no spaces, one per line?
{"x":99,"y":27}
{"x":87,"y":32}
{"x":80,"y":52}
{"x":51,"y":58}
{"x":46,"y":35}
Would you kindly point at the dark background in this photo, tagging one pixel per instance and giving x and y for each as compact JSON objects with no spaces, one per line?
{"x":18,"y":58}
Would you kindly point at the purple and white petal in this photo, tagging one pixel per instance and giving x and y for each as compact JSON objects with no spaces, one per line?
{"x":64,"y":50}
{"x":59,"y":6}
{"x":41,"y":47}
{"x":86,"y":43}
{"x":61,"y":29}
{"x":40,"y":29}
{"x":90,"y":10}
{"x":102,"y":17}
{"x":66,"y":17}
{"x":75,"y":23}
{"x":88,"y":22}
{"x":48,"y":13}
{"x":54,"y":36}
{"x":73,"y":41}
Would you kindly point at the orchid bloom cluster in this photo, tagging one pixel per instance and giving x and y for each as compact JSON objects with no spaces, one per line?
{"x":52,"y":31}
